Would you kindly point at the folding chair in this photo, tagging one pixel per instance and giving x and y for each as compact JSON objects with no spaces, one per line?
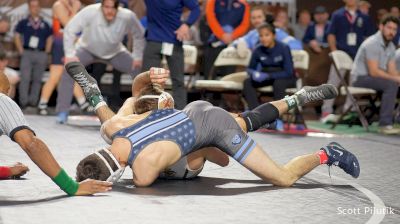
{"x":190,"y":54}
{"x":301,"y":63}
{"x":227,"y":57}
{"x":342,"y":61}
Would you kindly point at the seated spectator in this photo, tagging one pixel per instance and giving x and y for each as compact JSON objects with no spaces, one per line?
{"x":228,"y":20}
{"x":11,"y":74}
{"x":317,"y":32}
{"x":271,"y":64}
{"x":395,"y":11}
{"x":398,"y":59}
{"x":282,"y":22}
{"x":364,"y":7}
{"x":251,"y":40}
{"x":302,"y":23}
{"x":375,"y":67}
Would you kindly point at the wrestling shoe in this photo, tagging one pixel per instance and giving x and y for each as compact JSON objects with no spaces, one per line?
{"x":314,"y":93}
{"x":339,"y":156}
{"x":88,"y":84}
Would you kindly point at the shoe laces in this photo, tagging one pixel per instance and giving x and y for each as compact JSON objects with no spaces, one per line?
{"x":315,"y":95}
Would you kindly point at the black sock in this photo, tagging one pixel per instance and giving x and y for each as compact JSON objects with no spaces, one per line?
{"x":261,"y":115}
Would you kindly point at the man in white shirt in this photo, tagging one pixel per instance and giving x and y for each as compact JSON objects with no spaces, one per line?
{"x":102,"y":27}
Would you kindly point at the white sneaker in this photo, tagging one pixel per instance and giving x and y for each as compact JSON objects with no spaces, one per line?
{"x":389,"y":130}
{"x":330,"y":118}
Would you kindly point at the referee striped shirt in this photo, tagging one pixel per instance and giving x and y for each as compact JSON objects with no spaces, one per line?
{"x":11,"y":117}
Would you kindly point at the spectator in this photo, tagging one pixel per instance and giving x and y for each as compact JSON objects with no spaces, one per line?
{"x":271,"y":64}
{"x":33,"y":41}
{"x":398,"y":57}
{"x":11,"y":74}
{"x":317,"y":32}
{"x":375,"y":67}
{"x":380,"y":13}
{"x":4,"y":25}
{"x":395,"y":11}
{"x":251,"y":39}
{"x":165,"y":33}
{"x":228,"y":20}
{"x":63,"y":11}
{"x":302,"y":23}
{"x":364,"y":7}
{"x":282,"y":22}
{"x":348,"y":29}
{"x":103,"y":27}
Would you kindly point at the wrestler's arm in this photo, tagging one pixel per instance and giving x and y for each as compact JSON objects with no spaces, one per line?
{"x":197,"y":159}
{"x":40,"y":154}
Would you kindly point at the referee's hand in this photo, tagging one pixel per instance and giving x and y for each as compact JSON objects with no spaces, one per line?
{"x":18,"y":170}
{"x":89,"y":187}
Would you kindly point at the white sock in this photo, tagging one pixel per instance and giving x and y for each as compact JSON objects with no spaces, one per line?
{"x":81,"y":100}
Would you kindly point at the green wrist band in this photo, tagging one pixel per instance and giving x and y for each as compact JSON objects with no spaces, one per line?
{"x":66,"y":183}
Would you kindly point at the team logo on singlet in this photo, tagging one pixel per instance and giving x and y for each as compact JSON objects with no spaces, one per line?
{"x":236,"y":140}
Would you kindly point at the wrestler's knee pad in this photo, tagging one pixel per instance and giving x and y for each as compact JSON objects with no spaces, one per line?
{"x":261,"y":115}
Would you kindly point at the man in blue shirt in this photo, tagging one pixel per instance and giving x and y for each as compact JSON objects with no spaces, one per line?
{"x":251,"y":40}
{"x":317,"y":32}
{"x":349,"y":28}
{"x":33,"y":41}
{"x":165,"y":33}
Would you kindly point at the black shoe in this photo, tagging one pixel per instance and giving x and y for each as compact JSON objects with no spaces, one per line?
{"x":339,"y":156}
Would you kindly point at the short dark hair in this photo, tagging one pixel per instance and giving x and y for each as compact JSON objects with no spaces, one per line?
{"x":147,"y":104}
{"x":116,"y":3}
{"x":390,"y":18}
{"x":93,"y":167}
{"x":268,"y":26}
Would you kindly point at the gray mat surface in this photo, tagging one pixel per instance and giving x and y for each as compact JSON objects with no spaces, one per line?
{"x":221,"y":195}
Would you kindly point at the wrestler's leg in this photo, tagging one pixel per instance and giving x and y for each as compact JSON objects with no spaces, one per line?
{"x":264,"y":167}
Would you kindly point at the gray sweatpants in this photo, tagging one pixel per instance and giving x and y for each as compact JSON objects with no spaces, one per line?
{"x":152,"y":58}
{"x":389,"y":89}
{"x":121,"y":62}
{"x":32,"y":65}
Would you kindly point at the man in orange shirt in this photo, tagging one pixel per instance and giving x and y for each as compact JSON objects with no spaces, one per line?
{"x":227,"y":20}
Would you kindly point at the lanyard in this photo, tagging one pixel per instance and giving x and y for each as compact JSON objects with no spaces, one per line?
{"x":35,"y":24}
{"x":350,"y":18}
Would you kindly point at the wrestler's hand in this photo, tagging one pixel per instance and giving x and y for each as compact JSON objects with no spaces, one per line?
{"x":89,"y":186}
{"x":18,"y":170}
{"x":158,"y":76}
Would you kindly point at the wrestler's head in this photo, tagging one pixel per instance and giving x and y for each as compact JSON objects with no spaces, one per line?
{"x":152,"y":97}
{"x":101,"y":165}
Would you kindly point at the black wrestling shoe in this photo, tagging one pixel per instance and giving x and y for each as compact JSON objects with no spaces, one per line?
{"x":339,"y":156}
{"x":314,"y":93}
{"x":88,"y":84}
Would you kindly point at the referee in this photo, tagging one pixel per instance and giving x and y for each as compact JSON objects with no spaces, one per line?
{"x":14,"y":125}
